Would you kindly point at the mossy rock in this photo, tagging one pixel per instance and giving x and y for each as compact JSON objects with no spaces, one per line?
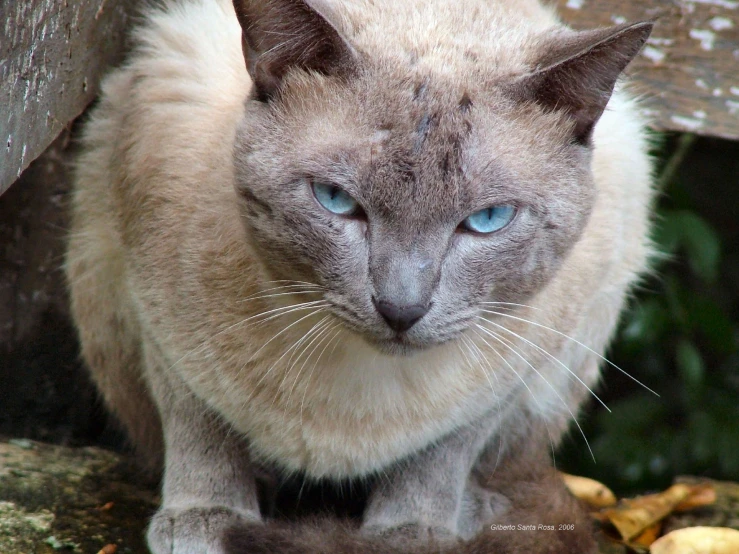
{"x":55,"y":500}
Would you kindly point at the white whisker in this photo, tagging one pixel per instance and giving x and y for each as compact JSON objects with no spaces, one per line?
{"x":284,"y":310}
{"x":487,"y":376}
{"x":294,"y":284}
{"x":523,"y":381}
{"x":286,"y":351}
{"x":551,"y":357}
{"x":315,"y":304}
{"x":246,"y":401}
{"x":327,"y":339}
{"x":320,"y":333}
{"x":311,"y":336}
{"x":511,"y":304}
{"x":508,"y":344}
{"x":291,"y":289}
{"x":585,"y":346}
{"x":278,"y":294}
{"x":478,"y":355}
{"x":293,"y":281}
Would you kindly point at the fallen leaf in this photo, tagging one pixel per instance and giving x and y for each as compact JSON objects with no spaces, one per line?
{"x":698,"y":540}
{"x":589,"y":490}
{"x":648,"y":536}
{"x":599,"y":516}
{"x":700,"y":495}
{"x":635,"y":515}
{"x":108,"y":549}
{"x":105,"y":507}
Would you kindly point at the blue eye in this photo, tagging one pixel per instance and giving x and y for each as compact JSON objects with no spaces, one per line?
{"x":490,"y":219}
{"x":334,"y":199}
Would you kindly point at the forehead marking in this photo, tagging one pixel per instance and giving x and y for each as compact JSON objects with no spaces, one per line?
{"x":465,"y":103}
{"x":380,"y":135}
{"x":422,"y":131}
{"x":377,"y":140}
{"x":419,"y":93}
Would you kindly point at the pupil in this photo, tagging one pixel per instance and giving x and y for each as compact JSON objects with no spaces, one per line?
{"x":334,"y":193}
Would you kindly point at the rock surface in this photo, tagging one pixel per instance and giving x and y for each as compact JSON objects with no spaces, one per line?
{"x":55,"y":499}
{"x":59,"y":499}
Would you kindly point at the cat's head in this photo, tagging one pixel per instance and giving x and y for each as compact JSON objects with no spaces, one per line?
{"x":413,"y":195}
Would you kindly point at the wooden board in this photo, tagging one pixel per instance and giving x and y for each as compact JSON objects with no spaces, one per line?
{"x":689,"y":70}
{"x":52,"y":55}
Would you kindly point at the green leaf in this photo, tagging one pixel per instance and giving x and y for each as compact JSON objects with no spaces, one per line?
{"x":667,"y":233}
{"x":646,"y":322}
{"x":690,"y":364}
{"x":685,"y":229}
{"x":702,"y":245}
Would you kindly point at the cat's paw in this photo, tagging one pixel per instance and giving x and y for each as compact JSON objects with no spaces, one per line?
{"x":480,"y":507}
{"x":193,"y":530}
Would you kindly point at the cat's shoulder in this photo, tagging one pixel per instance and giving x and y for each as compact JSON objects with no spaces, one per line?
{"x":173,"y":104}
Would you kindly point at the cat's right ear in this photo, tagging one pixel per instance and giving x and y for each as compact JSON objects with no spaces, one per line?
{"x":279,"y":35}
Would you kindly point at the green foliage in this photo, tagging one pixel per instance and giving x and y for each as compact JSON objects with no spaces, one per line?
{"x":683,"y":229}
{"x":681,"y":338}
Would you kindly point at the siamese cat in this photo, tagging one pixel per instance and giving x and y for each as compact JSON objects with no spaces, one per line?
{"x":373,"y":241}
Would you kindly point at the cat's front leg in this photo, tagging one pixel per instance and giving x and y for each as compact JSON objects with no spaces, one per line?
{"x":430,"y":495}
{"x":208,"y":483}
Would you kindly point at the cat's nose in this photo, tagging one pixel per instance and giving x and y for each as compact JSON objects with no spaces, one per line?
{"x":400,"y":318}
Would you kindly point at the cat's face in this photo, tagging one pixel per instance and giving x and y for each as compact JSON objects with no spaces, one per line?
{"x":411,"y":203}
{"x":413,"y":194}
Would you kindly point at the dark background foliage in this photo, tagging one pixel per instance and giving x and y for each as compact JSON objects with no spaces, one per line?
{"x":680,"y":336}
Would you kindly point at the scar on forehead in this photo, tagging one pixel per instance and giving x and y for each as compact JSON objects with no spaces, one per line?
{"x":419,"y":93}
{"x":465,"y":104}
{"x":422,"y":131}
{"x":380,"y":135}
{"x":378,"y":139}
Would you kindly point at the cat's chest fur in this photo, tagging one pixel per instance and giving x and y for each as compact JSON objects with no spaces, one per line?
{"x":348,"y":413}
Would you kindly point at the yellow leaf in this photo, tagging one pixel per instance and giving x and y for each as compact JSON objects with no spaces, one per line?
{"x":698,"y":540}
{"x":589,"y":490}
{"x":700,"y":495}
{"x":636,"y":515}
{"x":648,"y":536}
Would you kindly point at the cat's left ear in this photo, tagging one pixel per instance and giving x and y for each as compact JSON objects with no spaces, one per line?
{"x":282,"y":34}
{"x":578,"y":72}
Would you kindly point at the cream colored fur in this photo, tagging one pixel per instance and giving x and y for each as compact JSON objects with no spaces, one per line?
{"x":167,"y":123}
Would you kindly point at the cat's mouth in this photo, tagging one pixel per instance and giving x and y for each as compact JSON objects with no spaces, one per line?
{"x":400,"y":345}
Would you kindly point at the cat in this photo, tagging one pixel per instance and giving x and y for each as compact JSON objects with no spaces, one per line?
{"x":362,"y":240}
